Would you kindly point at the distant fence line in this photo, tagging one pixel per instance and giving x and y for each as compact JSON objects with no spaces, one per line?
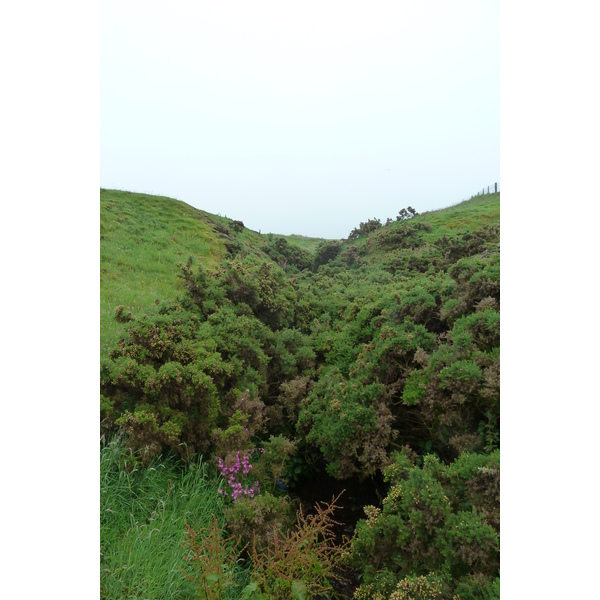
{"x":491,"y":189}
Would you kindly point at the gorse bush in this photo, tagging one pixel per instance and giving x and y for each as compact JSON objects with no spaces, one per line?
{"x":349,"y":422}
{"x":260,"y":519}
{"x":179,"y":372}
{"x":365,"y":228}
{"x":442,"y":520}
{"x":457,"y":389}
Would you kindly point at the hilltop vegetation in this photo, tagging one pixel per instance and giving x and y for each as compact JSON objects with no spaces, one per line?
{"x":372,"y":361}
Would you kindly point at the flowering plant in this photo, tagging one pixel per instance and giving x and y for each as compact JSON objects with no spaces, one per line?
{"x":234,"y":474}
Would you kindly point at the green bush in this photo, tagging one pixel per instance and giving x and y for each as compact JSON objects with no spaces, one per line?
{"x":260,"y":519}
{"x":457,"y":389}
{"x":438,"y":519}
{"x":349,"y":422}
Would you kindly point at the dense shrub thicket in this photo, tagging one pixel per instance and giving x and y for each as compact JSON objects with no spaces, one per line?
{"x":375,"y":356}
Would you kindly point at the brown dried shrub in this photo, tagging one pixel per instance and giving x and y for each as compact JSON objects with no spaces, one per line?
{"x":305,"y":558}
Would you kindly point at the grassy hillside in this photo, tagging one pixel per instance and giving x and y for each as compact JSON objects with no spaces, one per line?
{"x":141,"y":239}
{"x":144,"y":237}
{"x":468,"y":216}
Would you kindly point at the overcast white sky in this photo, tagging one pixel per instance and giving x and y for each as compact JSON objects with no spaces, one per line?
{"x":301,"y":117}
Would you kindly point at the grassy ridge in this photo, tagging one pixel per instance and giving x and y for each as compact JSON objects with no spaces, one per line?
{"x":466,"y":216}
{"x":142,"y":238}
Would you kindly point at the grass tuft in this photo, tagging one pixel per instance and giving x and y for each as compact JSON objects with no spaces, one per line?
{"x":143,"y":517}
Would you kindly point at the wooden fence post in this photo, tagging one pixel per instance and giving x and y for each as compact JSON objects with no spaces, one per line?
{"x":495,"y":187}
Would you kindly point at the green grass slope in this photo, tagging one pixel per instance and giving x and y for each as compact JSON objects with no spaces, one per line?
{"x":428,"y":239}
{"x":465,"y":217}
{"x":144,"y":237}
